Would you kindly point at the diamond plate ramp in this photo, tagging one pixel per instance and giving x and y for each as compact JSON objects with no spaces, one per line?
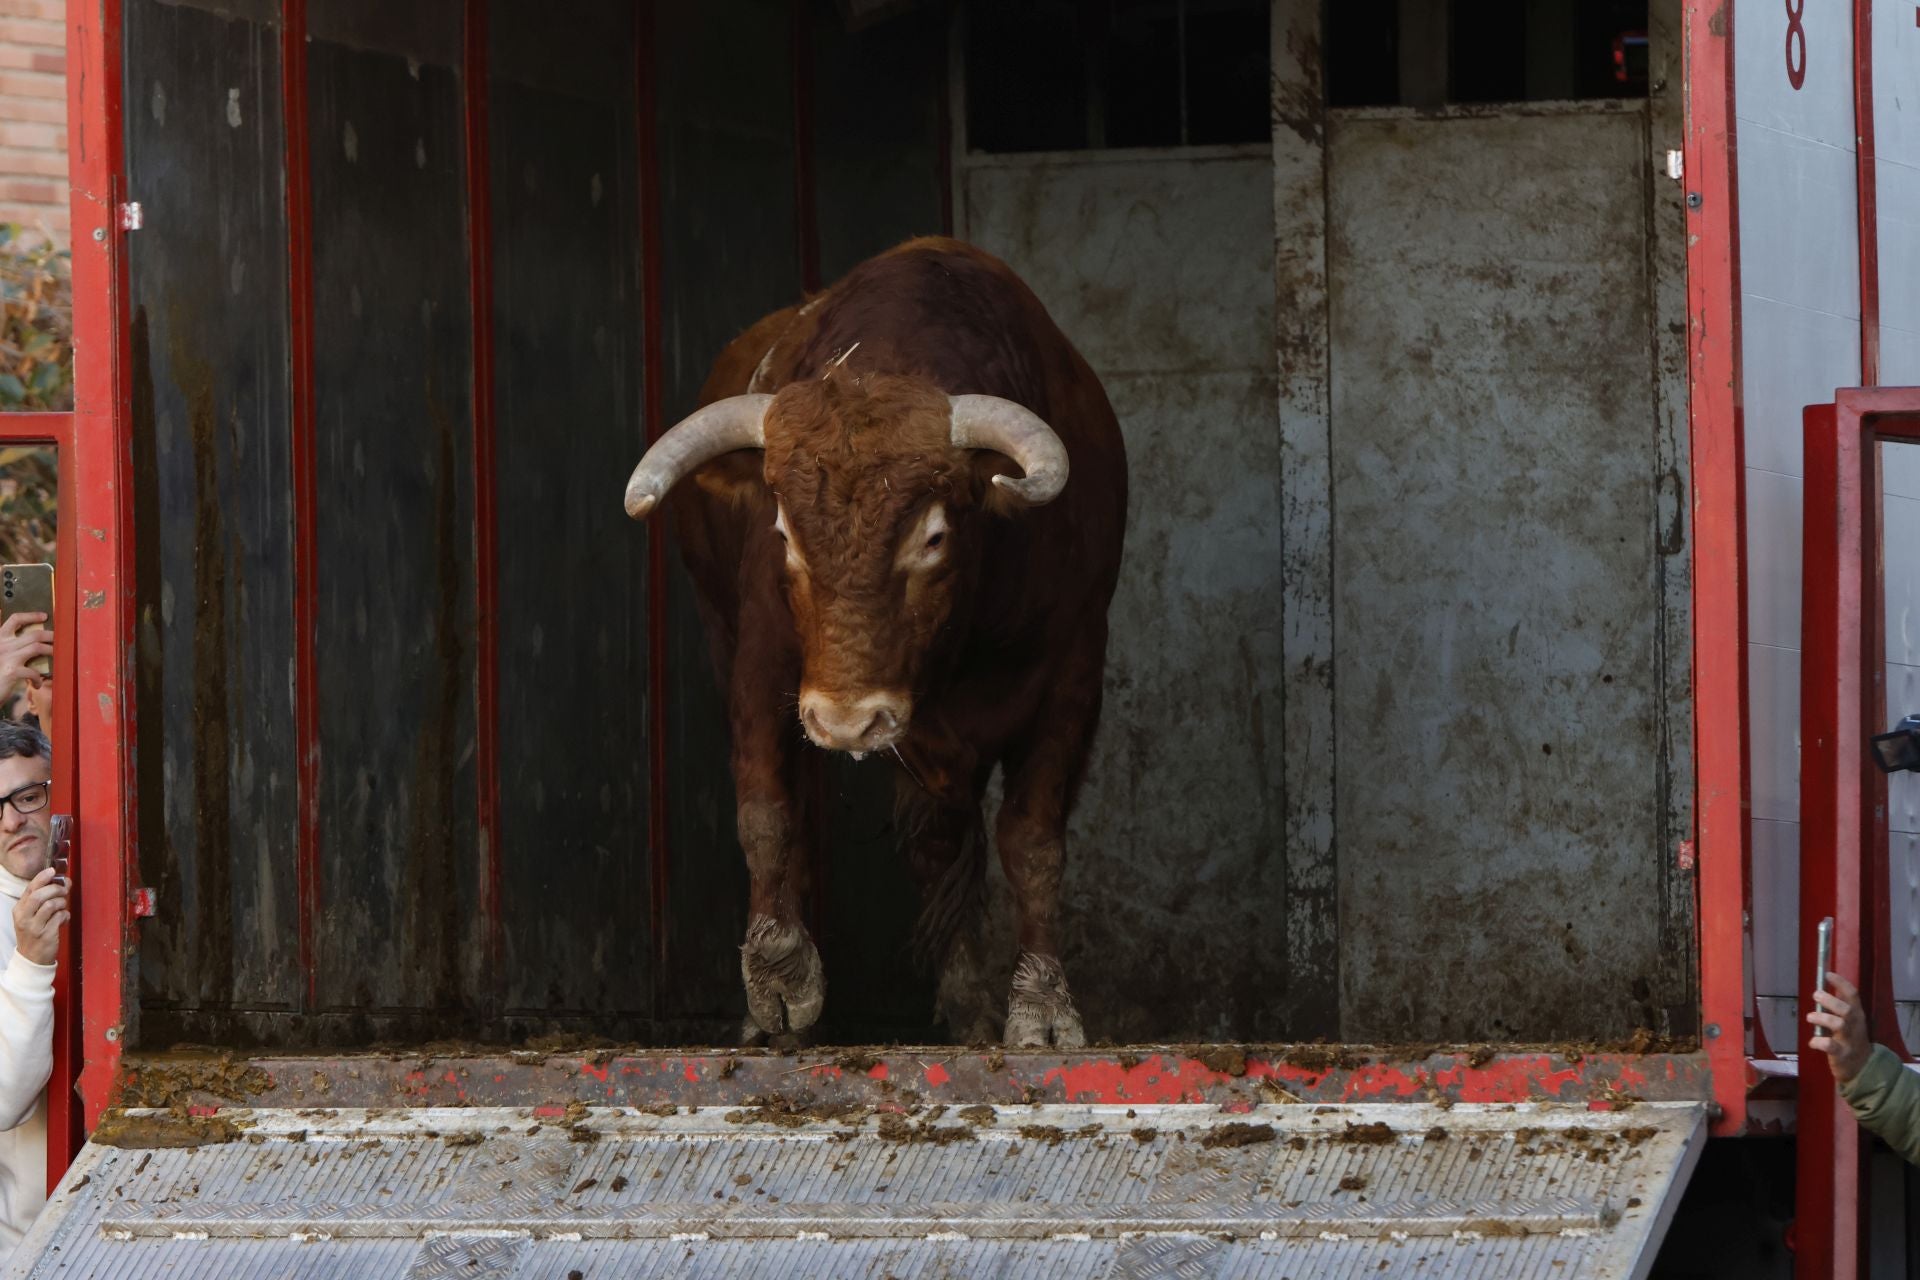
{"x":838,"y":1191}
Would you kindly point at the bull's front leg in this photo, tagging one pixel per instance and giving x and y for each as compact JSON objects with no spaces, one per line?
{"x":786,"y":986}
{"x":779,"y":965}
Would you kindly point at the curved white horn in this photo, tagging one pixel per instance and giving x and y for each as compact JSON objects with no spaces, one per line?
{"x":721,"y":427}
{"x":988,"y":422}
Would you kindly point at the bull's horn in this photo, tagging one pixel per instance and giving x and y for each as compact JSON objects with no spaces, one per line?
{"x":988,"y":422}
{"x":721,"y":427}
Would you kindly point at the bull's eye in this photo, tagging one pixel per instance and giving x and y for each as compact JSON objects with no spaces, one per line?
{"x":934,"y":541}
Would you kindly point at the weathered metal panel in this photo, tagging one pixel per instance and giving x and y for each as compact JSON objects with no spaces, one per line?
{"x":1896,"y":134}
{"x":1078,"y":1190}
{"x":1666,"y":239}
{"x":1175,"y":850}
{"x":729,"y":255}
{"x":576,"y":877}
{"x":1799,"y":316}
{"x":395,"y":642}
{"x":212,"y":537}
{"x":876,"y":134}
{"x":1232,"y":1078}
{"x":1311,"y":919}
{"x":1497,"y":469}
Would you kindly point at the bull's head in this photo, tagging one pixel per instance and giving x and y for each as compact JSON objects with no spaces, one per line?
{"x":874,"y":484}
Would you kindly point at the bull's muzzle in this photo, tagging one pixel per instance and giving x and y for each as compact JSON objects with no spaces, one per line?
{"x":859,"y":723}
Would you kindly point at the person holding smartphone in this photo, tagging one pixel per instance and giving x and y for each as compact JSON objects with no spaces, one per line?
{"x":24,"y":641}
{"x":29,"y":945}
{"x":1884,"y":1095}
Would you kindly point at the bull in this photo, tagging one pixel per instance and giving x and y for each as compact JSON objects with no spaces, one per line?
{"x":886,"y":548}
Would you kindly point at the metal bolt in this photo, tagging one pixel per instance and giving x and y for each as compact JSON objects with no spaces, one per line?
{"x":1713,"y":1031}
{"x":1693,"y":199}
{"x":100,"y":234}
{"x":113,"y":1033}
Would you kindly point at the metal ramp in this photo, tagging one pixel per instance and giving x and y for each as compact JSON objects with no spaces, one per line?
{"x":838,"y":1191}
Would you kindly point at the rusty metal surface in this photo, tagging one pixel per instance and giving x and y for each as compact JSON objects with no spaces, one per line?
{"x":1225,"y":1076}
{"x":1176,"y":848}
{"x":398,"y":892}
{"x":1496,"y":462}
{"x":575,"y":891}
{"x":1301,"y":356}
{"x":724,"y":90}
{"x":1512,"y":1191}
{"x":213,"y":551}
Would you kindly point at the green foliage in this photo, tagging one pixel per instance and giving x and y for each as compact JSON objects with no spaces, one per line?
{"x":28,"y":482}
{"x":36,"y":322}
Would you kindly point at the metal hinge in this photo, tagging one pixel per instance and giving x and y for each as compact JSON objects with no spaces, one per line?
{"x":1676,"y":165}
{"x":131,"y":216}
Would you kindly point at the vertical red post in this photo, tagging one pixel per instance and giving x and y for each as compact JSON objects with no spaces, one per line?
{"x":306,"y":572}
{"x":96,"y":479}
{"x":1868,"y":197}
{"x":652,"y":366}
{"x":1828,"y":1150}
{"x":1719,"y":619}
{"x":485,"y":517}
{"x":64,"y":1131}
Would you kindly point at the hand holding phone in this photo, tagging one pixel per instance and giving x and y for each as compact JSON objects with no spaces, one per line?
{"x":28,"y":589}
{"x":1823,"y":954}
{"x":61,"y":833}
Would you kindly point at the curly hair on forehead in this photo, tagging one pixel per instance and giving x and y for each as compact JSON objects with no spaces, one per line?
{"x":17,"y":739}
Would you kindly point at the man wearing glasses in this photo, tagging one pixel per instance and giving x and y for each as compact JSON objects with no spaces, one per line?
{"x":29,"y":944}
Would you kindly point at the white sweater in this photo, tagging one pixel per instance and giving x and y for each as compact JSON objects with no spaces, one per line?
{"x":26,"y":1061}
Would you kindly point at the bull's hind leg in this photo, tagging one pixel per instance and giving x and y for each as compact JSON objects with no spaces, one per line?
{"x":1043,"y":776}
{"x":946,"y":845}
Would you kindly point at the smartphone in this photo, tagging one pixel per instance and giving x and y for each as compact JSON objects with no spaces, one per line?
{"x":28,"y":588}
{"x":61,"y":830}
{"x":1823,"y":954}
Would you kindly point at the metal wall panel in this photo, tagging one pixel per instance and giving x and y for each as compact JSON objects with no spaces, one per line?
{"x":729,"y":255}
{"x":1174,"y":874}
{"x":396,"y":629}
{"x":572,"y":587}
{"x":1499,"y":550}
{"x":1800,"y":339}
{"x":1896,"y":140}
{"x":213,"y":536}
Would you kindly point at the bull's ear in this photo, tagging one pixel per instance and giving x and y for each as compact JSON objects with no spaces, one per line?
{"x":995,"y":499}
{"x":733,"y":477}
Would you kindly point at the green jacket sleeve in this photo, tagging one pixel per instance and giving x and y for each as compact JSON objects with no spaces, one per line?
{"x":1885,"y":1098}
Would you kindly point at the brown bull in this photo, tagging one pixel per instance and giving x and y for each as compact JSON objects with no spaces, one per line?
{"x":886,"y":545}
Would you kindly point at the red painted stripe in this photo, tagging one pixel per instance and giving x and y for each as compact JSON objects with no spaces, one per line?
{"x":652,"y":373}
{"x":306,"y":590}
{"x":485,"y":511}
{"x":1719,"y":618}
{"x":1868,"y":197}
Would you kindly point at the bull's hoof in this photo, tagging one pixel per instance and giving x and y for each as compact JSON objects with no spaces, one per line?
{"x":786,"y":987}
{"x":1040,"y":1011}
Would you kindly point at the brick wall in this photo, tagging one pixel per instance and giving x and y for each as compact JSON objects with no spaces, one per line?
{"x":33,"y":114}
